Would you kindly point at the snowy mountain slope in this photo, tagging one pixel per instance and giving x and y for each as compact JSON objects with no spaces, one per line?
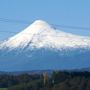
{"x":41,"y":35}
{"x":41,"y":47}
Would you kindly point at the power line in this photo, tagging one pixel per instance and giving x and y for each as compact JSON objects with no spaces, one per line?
{"x":72,"y":27}
{"x":14,"y":21}
{"x":8,"y":32}
{"x":56,"y":25}
{"x":36,"y":34}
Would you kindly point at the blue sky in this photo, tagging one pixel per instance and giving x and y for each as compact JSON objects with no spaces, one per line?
{"x":61,"y":12}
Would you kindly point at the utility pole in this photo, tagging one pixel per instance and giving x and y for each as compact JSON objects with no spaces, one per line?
{"x":45,"y":78}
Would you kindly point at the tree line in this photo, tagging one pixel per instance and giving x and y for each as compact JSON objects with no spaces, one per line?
{"x":58,"y":80}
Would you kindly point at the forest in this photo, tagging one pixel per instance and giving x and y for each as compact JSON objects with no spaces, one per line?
{"x":57,"y":80}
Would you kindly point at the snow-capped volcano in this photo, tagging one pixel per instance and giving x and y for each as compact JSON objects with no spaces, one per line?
{"x":42,"y":35}
{"x":40,"y":46}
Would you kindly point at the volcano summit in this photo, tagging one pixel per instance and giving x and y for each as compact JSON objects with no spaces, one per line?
{"x":42,"y":47}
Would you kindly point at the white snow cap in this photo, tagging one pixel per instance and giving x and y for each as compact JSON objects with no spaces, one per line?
{"x":41,"y":35}
{"x":40,"y":22}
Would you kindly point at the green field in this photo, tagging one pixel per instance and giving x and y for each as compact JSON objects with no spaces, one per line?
{"x":3,"y":88}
